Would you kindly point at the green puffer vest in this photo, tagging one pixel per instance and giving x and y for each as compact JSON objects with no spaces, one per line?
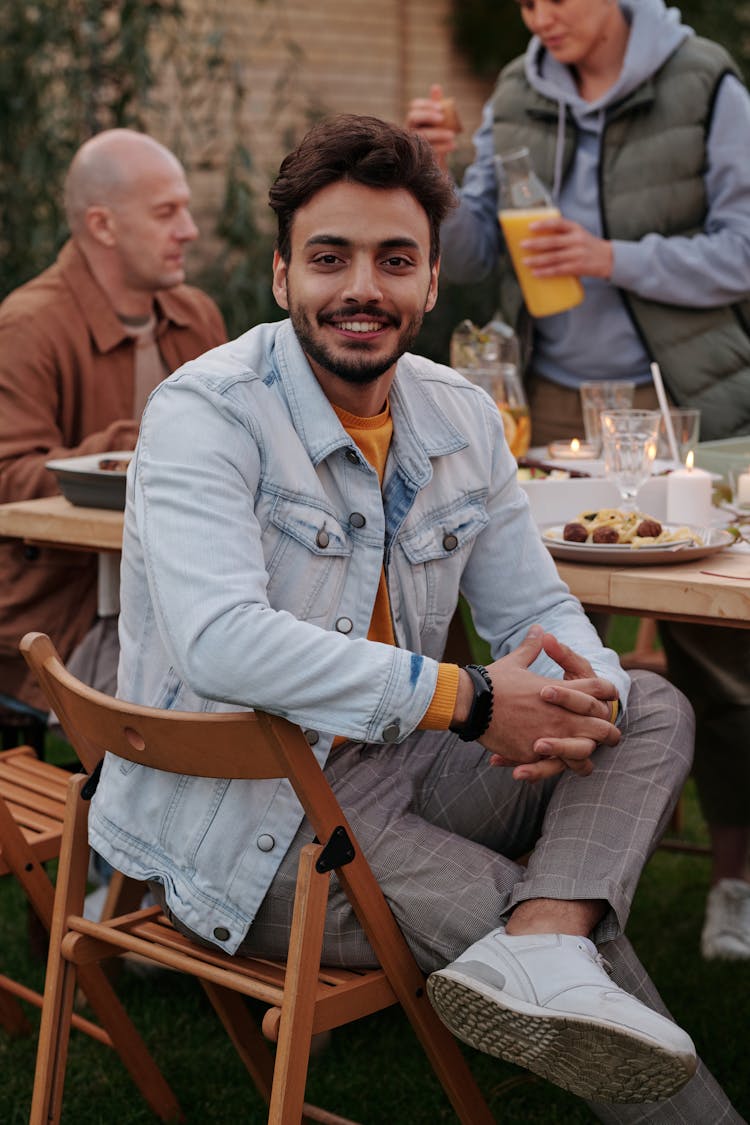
{"x":650,"y":180}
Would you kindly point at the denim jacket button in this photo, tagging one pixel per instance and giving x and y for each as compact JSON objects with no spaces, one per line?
{"x":221,"y":933}
{"x":344,"y":625}
{"x":322,"y":538}
{"x":356,"y":519}
{"x":352,"y":456}
{"x":266,"y":843}
{"x":391,"y":732}
{"x":450,"y":542}
{"x":312,"y":738}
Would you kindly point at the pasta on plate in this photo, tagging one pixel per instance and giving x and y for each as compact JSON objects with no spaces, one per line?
{"x":635,"y":529}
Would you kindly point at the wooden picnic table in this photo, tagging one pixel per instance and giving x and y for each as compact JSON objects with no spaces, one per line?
{"x":710,"y":591}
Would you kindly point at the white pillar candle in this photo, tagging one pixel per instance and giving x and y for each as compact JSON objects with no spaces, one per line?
{"x":742,"y":496}
{"x":689,"y":495}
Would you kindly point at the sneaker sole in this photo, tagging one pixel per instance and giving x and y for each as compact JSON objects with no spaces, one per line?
{"x":586,"y":1058}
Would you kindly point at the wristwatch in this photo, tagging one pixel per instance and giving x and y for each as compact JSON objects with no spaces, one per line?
{"x":480,"y":712}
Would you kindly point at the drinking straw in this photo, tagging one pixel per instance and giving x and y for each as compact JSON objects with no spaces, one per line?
{"x":664,"y":407}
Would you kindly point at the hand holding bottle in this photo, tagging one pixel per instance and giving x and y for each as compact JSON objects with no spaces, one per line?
{"x":560,"y":247}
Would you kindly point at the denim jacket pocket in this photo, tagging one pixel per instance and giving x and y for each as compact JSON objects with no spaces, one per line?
{"x":436,"y":550}
{"x":308,"y":559}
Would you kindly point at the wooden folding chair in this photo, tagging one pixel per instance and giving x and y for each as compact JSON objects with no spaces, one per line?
{"x":32,"y":807}
{"x":303,"y":999}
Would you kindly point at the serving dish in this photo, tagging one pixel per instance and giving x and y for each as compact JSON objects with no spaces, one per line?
{"x":85,"y":483}
{"x":713,"y":539}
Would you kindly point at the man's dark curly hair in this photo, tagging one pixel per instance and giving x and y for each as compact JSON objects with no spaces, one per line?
{"x":363,"y":150}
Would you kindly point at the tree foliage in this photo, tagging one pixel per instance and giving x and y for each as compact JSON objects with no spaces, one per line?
{"x":67,"y":69}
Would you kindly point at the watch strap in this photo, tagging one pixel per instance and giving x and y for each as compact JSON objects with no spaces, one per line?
{"x":480,"y":713}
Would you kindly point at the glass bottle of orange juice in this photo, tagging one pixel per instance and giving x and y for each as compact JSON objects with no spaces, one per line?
{"x":524,"y":200}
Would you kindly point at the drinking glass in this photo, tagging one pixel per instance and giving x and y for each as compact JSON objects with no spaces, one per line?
{"x":686,"y":426}
{"x":599,"y":395}
{"x":629,"y":443}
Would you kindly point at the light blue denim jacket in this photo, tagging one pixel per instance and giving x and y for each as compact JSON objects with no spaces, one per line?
{"x":255,"y":534}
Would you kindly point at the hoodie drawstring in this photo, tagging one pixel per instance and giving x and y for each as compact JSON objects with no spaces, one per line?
{"x":559,"y":150}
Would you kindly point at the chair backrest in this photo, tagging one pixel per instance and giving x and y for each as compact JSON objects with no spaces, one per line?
{"x":244,"y":744}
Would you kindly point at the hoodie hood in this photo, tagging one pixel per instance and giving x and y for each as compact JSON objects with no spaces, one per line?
{"x":656,"y":32}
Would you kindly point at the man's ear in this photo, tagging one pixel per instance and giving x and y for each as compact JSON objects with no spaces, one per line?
{"x":99,"y":222}
{"x":280,"y":280}
{"x":432,"y":292}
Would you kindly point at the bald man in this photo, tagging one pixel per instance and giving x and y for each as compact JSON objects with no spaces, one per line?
{"x":81,"y":347}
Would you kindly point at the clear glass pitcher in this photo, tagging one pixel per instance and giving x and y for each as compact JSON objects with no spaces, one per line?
{"x":522,"y":200}
{"x":489,"y":357}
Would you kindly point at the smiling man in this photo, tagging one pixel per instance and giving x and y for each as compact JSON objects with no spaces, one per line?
{"x":81,"y":348}
{"x":305,"y":506}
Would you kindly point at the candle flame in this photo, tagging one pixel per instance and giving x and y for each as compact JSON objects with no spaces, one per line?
{"x":575,"y":445}
{"x":689,"y":461}
{"x":651,"y":451}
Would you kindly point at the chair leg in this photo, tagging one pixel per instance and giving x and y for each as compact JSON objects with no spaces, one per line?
{"x":407,"y":981}
{"x":300,"y":985}
{"x":54,"y":1035}
{"x":133,"y":1052}
{"x":60,"y":984}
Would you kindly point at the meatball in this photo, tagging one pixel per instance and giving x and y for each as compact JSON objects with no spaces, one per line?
{"x":606,"y":535}
{"x":575,"y":533}
{"x":648,"y":528}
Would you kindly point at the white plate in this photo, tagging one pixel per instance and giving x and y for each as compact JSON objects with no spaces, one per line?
{"x":713,"y":540}
{"x":85,"y":484}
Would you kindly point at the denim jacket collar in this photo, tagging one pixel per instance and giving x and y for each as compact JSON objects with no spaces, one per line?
{"x":420,"y":430}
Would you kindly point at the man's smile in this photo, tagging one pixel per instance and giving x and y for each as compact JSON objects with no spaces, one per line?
{"x":364,"y":324}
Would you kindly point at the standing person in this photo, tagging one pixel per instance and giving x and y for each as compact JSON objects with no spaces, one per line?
{"x":81,"y":347}
{"x":644,"y":130}
{"x":348,"y":490}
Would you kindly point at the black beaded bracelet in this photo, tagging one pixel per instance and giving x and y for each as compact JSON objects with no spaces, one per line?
{"x":480,"y":713}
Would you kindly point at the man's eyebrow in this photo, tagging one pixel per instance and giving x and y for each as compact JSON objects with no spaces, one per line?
{"x":337,"y":240}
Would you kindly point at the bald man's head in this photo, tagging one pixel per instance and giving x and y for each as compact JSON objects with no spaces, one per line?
{"x":108,"y":169}
{"x":127,"y":202}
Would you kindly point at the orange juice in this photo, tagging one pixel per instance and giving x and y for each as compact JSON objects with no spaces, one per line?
{"x":543,"y":295}
{"x":517,"y":426}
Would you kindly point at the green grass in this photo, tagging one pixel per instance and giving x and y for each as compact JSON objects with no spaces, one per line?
{"x":374,"y":1071}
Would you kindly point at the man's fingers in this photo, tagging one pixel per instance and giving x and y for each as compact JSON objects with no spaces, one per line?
{"x":538,"y":771}
{"x":572,"y":663}
{"x":581,"y":702}
{"x":529,"y":648}
{"x":572,"y":750}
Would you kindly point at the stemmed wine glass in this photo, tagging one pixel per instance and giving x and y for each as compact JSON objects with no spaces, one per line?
{"x":629,"y":443}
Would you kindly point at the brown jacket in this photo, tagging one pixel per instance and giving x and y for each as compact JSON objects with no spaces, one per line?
{"x":66,"y":389}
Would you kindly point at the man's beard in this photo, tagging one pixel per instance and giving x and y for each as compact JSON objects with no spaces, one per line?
{"x":358,"y":367}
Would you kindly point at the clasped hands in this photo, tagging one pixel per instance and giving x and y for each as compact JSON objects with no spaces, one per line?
{"x":542,"y":726}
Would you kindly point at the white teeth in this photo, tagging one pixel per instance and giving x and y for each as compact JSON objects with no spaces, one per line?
{"x":359,"y":326}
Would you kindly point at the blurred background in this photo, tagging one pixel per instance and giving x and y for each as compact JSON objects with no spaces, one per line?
{"x":230,"y":86}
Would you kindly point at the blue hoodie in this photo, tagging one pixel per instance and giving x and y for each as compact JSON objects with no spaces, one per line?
{"x":597,"y":339}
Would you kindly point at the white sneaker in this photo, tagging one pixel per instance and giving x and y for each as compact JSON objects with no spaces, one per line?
{"x":545,"y":1002}
{"x":726,"y":930}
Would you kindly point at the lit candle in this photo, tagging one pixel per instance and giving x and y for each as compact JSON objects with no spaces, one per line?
{"x":576,"y":449}
{"x":742,"y":495}
{"x":689,"y":495}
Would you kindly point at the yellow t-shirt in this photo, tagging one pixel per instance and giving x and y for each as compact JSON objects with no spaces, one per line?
{"x":373,"y":437}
